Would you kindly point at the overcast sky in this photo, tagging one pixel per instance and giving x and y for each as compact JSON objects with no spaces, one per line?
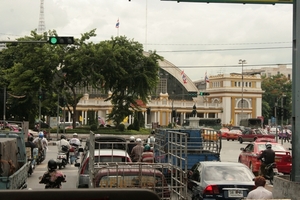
{"x":196,"y":37}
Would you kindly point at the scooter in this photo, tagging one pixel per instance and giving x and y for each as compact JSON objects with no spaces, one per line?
{"x":32,"y":161}
{"x":74,"y":154}
{"x":61,"y":158}
{"x":270,"y":171}
{"x":41,"y":156}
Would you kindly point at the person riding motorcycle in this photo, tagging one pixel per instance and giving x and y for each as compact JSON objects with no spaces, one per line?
{"x":75,"y":143}
{"x":53,"y":177}
{"x":42,"y":144}
{"x":64,"y":146}
{"x":267,"y":157}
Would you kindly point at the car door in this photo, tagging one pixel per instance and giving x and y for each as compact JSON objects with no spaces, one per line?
{"x":248,"y":154}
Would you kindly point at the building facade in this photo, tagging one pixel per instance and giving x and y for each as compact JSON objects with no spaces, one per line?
{"x":232,"y":97}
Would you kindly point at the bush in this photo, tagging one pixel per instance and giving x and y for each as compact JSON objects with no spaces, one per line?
{"x":130,"y":127}
{"x":94,"y":127}
{"x":121,"y":127}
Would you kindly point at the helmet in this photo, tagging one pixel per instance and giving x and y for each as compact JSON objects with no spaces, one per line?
{"x":41,"y":134}
{"x":75,"y":135}
{"x":147,"y":147}
{"x":139,"y":140}
{"x":52,"y":165}
{"x":132,"y":139}
{"x":62,"y":137}
{"x":268,"y":145}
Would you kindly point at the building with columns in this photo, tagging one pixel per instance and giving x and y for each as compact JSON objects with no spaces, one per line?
{"x":232,"y":97}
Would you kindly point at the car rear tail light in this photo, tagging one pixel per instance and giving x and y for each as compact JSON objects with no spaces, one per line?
{"x":211,"y":189}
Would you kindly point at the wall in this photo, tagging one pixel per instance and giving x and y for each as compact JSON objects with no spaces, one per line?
{"x":283,"y":188}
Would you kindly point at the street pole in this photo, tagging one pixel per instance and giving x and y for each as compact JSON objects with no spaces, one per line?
{"x":4,"y":106}
{"x":242,"y":62}
{"x":283,"y":96}
{"x":57,"y":116}
{"x":276,"y":132}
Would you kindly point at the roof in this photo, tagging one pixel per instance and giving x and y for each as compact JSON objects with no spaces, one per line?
{"x":213,"y":163}
{"x":111,"y":152}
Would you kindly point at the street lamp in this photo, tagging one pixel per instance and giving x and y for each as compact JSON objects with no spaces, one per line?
{"x":242,"y":62}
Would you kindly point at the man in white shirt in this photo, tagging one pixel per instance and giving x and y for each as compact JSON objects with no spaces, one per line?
{"x":75,"y":143}
{"x":260,"y":192}
{"x":63,"y":142}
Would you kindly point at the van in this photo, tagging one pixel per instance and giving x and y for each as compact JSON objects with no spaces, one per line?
{"x":67,"y":125}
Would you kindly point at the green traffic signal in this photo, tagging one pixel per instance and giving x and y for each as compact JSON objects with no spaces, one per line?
{"x":204,"y":94}
{"x":61,"y":40}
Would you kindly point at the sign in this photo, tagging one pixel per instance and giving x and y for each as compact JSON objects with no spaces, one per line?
{"x":237,"y":1}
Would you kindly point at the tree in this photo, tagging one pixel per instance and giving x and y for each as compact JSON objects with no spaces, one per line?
{"x":275,"y":87}
{"x":129,"y":74}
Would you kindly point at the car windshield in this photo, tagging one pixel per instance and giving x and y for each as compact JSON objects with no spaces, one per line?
{"x":275,"y":147}
{"x":227,"y":173}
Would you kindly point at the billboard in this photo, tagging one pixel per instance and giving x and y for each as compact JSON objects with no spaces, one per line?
{"x":237,"y":1}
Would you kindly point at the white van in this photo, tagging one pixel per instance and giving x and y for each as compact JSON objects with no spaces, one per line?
{"x":67,"y":125}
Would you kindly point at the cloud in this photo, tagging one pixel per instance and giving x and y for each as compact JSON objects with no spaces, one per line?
{"x":196,"y":37}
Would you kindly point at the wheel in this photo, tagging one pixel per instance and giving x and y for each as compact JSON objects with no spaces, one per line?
{"x":196,"y":197}
{"x":271,"y":176}
{"x":241,"y":140}
{"x":227,"y":139}
{"x":59,"y":166}
{"x":251,"y":168}
{"x":232,"y":139}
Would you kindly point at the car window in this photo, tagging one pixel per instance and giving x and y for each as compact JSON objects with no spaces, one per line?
{"x":275,"y":147}
{"x":249,"y":147}
{"x":228,"y":173}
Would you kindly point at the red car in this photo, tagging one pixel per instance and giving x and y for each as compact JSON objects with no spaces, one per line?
{"x":249,"y":155}
{"x":233,"y":135}
{"x":250,"y":135}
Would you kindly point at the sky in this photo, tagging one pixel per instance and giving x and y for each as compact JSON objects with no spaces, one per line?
{"x":198,"y":38}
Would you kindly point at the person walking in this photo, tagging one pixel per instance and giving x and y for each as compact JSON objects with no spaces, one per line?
{"x":137,"y":151}
{"x":260,"y":192}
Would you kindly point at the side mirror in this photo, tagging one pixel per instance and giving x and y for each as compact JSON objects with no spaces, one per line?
{"x":242,"y":149}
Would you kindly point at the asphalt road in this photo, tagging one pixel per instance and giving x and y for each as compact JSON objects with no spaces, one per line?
{"x":230,"y":152}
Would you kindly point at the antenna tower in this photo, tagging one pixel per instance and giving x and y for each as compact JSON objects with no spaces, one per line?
{"x":41,"y":27}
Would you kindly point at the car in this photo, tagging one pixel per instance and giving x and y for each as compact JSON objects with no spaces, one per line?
{"x":219,"y":180}
{"x":101,"y":156}
{"x":133,"y":176}
{"x":251,"y":134}
{"x":250,"y":153}
{"x":272,"y":131}
{"x":67,"y":125}
{"x":233,"y":134}
{"x":223,"y":132}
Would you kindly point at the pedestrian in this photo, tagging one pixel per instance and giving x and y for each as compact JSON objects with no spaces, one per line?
{"x":147,"y":155}
{"x":260,"y":192}
{"x":137,"y":151}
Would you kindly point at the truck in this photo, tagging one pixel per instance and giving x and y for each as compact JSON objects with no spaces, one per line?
{"x":14,"y":162}
{"x":182,"y":148}
{"x":117,"y":174}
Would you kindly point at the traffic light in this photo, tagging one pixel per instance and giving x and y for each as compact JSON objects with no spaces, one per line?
{"x":40,"y":95}
{"x":61,"y":40}
{"x":193,"y":94}
{"x":204,"y":94}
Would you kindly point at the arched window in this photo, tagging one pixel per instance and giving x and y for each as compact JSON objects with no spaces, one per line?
{"x":244,"y":104}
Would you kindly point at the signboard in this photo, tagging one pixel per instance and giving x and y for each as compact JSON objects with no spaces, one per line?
{"x":237,"y":1}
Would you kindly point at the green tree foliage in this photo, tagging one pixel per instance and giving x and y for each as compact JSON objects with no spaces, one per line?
{"x":274,"y":87}
{"x":130,"y":75}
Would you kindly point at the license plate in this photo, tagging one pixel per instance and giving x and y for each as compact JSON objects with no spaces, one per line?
{"x":235,"y":193}
{"x":275,"y":170}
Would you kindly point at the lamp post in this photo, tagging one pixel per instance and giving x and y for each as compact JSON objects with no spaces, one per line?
{"x":242,"y":62}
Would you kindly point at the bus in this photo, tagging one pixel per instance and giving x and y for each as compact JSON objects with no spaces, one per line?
{"x":251,"y":123}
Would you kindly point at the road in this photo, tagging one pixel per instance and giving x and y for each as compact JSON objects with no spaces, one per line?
{"x":230,"y":151}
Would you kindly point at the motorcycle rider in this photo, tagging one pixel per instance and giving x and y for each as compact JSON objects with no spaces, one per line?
{"x":267,"y":157}
{"x":131,"y":144}
{"x":41,"y":143}
{"x":75,"y":143}
{"x":31,"y":145}
{"x":60,"y":146}
{"x":137,"y":150}
{"x":147,"y":155}
{"x":53,"y":177}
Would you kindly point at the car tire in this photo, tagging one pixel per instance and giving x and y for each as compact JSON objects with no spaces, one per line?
{"x":227,"y":139}
{"x":196,"y":197}
{"x":241,"y":140}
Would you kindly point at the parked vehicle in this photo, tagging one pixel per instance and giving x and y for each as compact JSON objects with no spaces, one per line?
{"x":220,"y":180}
{"x":14,"y":164}
{"x":250,"y":135}
{"x":134,"y":175}
{"x":233,"y":134}
{"x":250,"y":153}
{"x":101,"y":152}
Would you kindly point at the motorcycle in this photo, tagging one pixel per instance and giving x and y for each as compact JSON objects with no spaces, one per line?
{"x":32,"y":161}
{"x":61,"y":158}
{"x":41,"y":156}
{"x":270,"y":171}
{"x":46,"y":179}
{"x":74,"y":153}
